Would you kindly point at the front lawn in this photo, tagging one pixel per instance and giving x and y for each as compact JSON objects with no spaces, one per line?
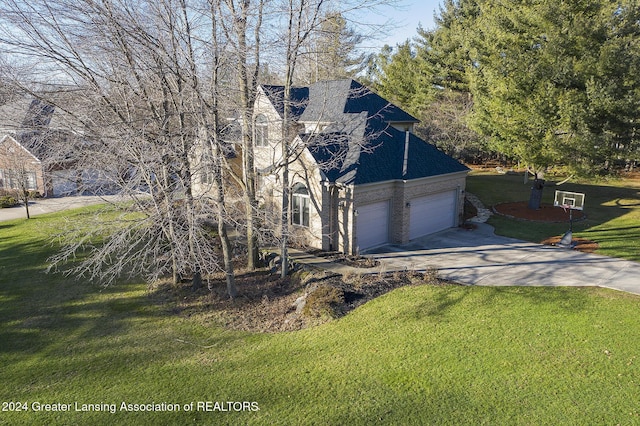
{"x":612,"y":209}
{"x":442,"y":354}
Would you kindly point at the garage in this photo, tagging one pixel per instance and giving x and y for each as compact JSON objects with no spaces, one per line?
{"x":372,"y":224}
{"x":432,"y":213}
{"x":64,"y":182}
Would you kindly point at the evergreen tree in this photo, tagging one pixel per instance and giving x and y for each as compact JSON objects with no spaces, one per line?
{"x":331,"y":51}
{"x":553,"y":82}
{"x":402,"y":78}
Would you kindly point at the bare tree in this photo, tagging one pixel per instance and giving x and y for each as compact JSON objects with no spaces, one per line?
{"x":305,"y":18}
{"x":152,"y":75}
{"x":140,"y":67}
{"x":241,"y":24}
{"x":331,"y":51}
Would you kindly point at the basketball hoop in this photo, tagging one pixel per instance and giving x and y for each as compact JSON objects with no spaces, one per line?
{"x":569,"y":201}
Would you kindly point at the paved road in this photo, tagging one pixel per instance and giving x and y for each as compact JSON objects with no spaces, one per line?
{"x":50,"y":205}
{"x":479,"y":257}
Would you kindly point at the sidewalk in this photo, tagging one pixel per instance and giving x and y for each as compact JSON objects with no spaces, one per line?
{"x":322,"y":263}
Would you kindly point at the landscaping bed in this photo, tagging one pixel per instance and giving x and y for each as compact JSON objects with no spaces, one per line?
{"x":339,"y":257}
{"x":546,"y":213}
{"x":267,"y":303}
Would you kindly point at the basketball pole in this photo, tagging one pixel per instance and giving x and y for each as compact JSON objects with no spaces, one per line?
{"x":570,"y":220}
{"x":567,"y":239}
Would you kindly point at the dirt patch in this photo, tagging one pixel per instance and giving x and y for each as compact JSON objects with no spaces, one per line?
{"x":583,"y":245}
{"x":267,"y":303}
{"x":546,"y":213}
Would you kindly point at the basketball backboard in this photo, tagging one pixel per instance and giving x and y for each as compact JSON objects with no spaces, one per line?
{"x":569,"y":200}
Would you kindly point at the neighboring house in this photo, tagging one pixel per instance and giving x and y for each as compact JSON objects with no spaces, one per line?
{"x":35,"y":147}
{"x":361,"y":177}
{"x":18,"y":166}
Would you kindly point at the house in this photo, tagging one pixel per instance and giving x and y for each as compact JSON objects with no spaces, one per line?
{"x":18,"y":166}
{"x":36,"y":147}
{"x":360,"y":176}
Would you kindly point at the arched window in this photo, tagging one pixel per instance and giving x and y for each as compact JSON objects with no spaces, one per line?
{"x":261,"y":131}
{"x":300,"y":204}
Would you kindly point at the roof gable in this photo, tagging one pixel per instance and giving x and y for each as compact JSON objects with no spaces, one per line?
{"x":299,"y":98}
{"x":362,"y":98}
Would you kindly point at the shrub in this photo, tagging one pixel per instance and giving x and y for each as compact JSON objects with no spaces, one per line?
{"x":7,"y":201}
{"x":430,"y":276}
{"x":323,"y":301}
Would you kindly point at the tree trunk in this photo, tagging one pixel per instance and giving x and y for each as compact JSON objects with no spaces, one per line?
{"x":227,"y":256}
{"x":535,"y":198}
{"x":232,"y":291}
{"x":26,"y":205}
{"x":284,"y":253}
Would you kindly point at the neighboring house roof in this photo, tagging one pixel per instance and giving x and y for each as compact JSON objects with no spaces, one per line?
{"x":39,"y":127}
{"x":358,"y":145}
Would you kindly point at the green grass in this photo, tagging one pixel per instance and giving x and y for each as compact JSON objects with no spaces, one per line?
{"x":419,"y":355}
{"x":612,"y":210}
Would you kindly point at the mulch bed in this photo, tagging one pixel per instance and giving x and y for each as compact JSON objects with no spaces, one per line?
{"x":338,"y":257}
{"x":582,"y":244}
{"x":547,"y":213}
{"x":266,"y":303}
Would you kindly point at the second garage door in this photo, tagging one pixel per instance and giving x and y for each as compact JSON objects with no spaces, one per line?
{"x":432,"y":213}
{"x":372,"y":224}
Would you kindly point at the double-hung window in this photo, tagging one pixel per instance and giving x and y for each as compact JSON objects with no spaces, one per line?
{"x":261,"y":131}
{"x":300,"y":205}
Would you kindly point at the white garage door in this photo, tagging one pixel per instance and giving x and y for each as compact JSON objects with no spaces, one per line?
{"x":372,"y":224}
{"x":432,"y":213}
{"x":64,"y":183}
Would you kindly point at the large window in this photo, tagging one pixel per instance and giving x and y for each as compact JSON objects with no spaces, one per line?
{"x":31,"y":181}
{"x":261,"y":131}
{"x":8,"y":180}
{"x":300,"y":204}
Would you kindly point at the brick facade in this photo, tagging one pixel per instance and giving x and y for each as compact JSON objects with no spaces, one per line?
{"x":16,"y":162}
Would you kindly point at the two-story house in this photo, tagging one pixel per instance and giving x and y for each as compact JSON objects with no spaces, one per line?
{"x":359,"y":175}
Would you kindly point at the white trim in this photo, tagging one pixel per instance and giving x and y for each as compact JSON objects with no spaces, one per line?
{"x":410,"y":182}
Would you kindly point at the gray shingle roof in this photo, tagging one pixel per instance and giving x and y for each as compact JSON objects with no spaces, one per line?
{"x":359,"y":145}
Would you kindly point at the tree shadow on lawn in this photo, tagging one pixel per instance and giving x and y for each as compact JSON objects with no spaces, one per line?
{"x":4,"y":225}
{"x":42,"y":312}
{"x":567,"y":300}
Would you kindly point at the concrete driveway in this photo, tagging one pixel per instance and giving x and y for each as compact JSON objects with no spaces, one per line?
{"x":479,"y":257}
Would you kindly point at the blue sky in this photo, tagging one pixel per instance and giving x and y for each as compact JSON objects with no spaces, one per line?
{"x":406,"y":18}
